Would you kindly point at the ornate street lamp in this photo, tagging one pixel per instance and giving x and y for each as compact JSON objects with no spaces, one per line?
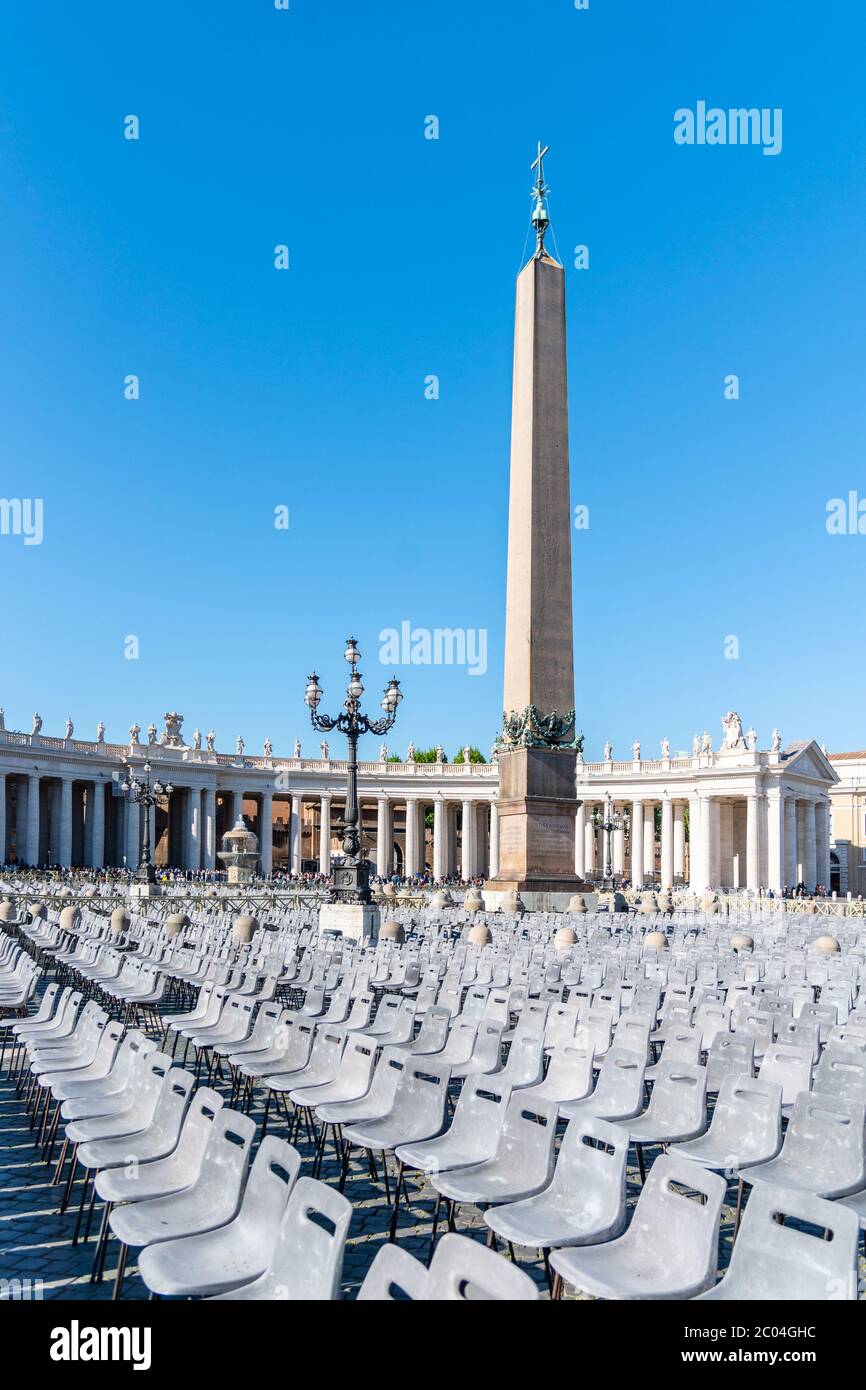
{"x":145,"y":794}
{"x":608,"y":822}
{"x":352,"y":877}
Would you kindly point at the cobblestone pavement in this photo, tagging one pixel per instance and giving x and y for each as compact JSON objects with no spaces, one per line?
{"x":36,"y":1241}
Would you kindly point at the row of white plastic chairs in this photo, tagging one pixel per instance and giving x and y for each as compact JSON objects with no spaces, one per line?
{"x":173,"y":1166}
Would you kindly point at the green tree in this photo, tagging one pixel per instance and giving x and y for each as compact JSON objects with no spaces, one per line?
{"x":475,"y":756}
{"x":427,"y":755}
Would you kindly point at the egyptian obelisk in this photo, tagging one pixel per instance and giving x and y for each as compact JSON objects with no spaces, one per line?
{"x":538,"y":745}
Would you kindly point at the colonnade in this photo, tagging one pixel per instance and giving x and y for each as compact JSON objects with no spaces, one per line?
{"x":69,"y":821}
{"x":772,"y":839}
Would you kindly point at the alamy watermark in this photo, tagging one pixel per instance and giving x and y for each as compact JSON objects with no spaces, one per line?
{"x":22,"y":516}
{"x":740,"y":125}
{"x":846,"y":516}
{"x":438,"y":646}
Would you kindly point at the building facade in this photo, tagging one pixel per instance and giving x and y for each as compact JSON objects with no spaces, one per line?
{"x":848,"y":824}
{"x":729,"y":818}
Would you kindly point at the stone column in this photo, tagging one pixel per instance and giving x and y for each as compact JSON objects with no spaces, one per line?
{"x":384,"y":837}
{"x":753,"y":843}
{"x":133,"y":834}
{"x":295,"y":834}
{"x":410,"y":856}
{"x":237,"y":808}
{"x":151,"y":817}
{"x":97,"y":814}
{"x":791,"y":855}
{"x":31,"y":849}
{"x":209,"y":859}
{"x":21,"y":818}
{"x":637,"y":877}
{"x":801,"y":840}
{"x":439,"y":833}
{"x":822,"y":831}
{"x":580,"y":841}
{"x":649,"y":841}
{"x":708,"y":807}
{"x":667,"y":856}
{"x":679,"y":842}
{"x":193,"y":828}
{"x":696,"y":868}
{"x":810,"y":866}
{"x":325,"y":835}
{"x":66,"y":822}
{"x":494,"y":839}
{"x":266,"y":838}
{"x":467,"y":841}
{"x":775,"y":840}
{"x":54,"y":823}
{"x":2,"y":817}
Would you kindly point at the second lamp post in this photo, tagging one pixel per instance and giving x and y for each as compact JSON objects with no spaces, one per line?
{"x":352,"y":877}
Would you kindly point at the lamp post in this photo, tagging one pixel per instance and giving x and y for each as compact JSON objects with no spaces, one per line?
{"x":145,"y":794}
{"x":352,"y":877}
{"x":607,"y":822}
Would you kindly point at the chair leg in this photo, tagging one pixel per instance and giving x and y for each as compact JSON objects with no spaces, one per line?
{"x":345,"y":1167}
{"x":739,"y":1211}
{"x":392,"y":1233}
{"x":121,"y":1269}
{"x":84,"y":1187}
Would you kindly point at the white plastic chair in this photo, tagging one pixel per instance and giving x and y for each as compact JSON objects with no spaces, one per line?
{"x":823,"y":1152}
{"x":307,"y":1260}
{"x":585,"y":1202}
{"x":774,"y":1262}
{"x":210,"y":1201}
{"x":237,"y":1253}
{"x":746,"y":1127}
{"x":618,"y":1093}
{"x":670,"y":1249}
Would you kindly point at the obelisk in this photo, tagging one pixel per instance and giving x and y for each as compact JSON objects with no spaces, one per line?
{"x":538,"y":745}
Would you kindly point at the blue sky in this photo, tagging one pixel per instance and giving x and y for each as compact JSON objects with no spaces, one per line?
{"x":305,"y":388}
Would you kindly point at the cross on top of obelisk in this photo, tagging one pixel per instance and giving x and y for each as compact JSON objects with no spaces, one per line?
{"x":540,"y":219}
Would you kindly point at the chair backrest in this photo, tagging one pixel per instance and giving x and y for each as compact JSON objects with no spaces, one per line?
{"x":790,"y":1066}
{"x":590,"y":1177}
{"x":679,"y":1095}
{"x":825,"y":1139}
{"x":560,"y":1025}
{"x":272,"y":1177}
{"x":419,"y":1100}
{"x":204,"y":1108}
{"x":676,"y":1220}
{"x":225,"y":1162}
{"x":841,"y":1072}
{"x":308,"y":1257}
{"x":463,"y":1268}
{"x":569,"y":1075}
{"x":681,"y":1045}
{"x":748,"y":1114}
{"x":486,"y":1054}
{"x":172,"y":1104}
{"x":479,"y":1115}
{"x":729,"y":1055}
{"x":386,"y":1079}
{"x":525,"y":1065}
{"x":394,"y":1276}
{"x":620,"y":1080}
{"x":433,"y":1033}
{"x":817,"y":1259}
{"x":526,"y":1142}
